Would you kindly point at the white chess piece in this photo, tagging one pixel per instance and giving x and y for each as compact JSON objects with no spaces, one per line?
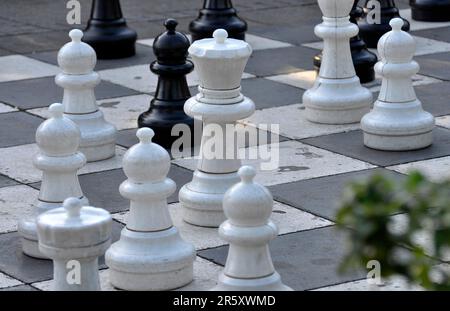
{"x":220,"y":63}
{"x":58,"y":139}
{"x":337,"y":96}
{"x":77,"y":61}
{"x":74,"y":236}
{"x":397,"y":121}
{"x":150,"y":255}
{"x":248,"y":206}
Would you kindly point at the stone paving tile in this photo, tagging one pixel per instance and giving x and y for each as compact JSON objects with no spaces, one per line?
{"x":123,"y":112}
{"x":6,"y":182}
{"x":435,"y":65}
{"x":351,"y":144}
{"x":305,"y":260}
{"x":18,"y":67}
{"x":7,"y":281}
{"x":17,"y":128}
{"x":16,"y":202}
{"x":5,"y":108}
{"x":288,"y":219}
{"x":296,"y":161}
{"x":22,"y":94}
{"x":321,"y":196}
{"x":391,"y":284}
{"x":17,"y":163}
{"x":436,"y":169}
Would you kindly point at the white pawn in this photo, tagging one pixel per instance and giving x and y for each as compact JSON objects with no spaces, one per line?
{"x":77,"y":61}
{"x":220,"y":63}
{"x":74,"y":236}
{"x":58,"y":139}
{"x":248,"y":206}
{"x":337,"y":96}
{"x":150,"y":255}
{"x":397,"y":121}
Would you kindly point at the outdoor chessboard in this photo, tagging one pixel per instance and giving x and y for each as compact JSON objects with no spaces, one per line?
{"x":316,"y":161}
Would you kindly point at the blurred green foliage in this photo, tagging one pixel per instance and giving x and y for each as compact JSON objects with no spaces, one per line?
{"x":375,"y":234}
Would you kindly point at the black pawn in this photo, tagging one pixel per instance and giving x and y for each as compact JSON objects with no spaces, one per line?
{"x":217,"y":14}
{"x":107,"y":31}
{"x":363,"y":59}
{"x":430,"y":10}
{"x":166,"y":108}
{"x":372,"y":32}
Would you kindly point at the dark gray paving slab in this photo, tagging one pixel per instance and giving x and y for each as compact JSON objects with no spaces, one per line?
{"x":22,"y":93}
{"x":280,"y":61}
{"x":287,"y":15}
{"x":351,"y":144}
{"x":17,"y":128}
{"x":27,"y":269}
{"x":440,"y":34}
{"x":435,"y":65}
{"x":4,"y":52}
{"x":6,"y":181}
{"x":34,"y":42}
{"x":305,"y":260}
{"x":20,"y":288}
{"x":435,"y":97}
{"x":127,"y":138}
{"x":144,"y":55}
{"x":321,"y":196}
{"x":102,"y":188}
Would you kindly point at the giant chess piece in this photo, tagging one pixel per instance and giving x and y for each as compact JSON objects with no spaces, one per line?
{"x":58,"y":159}
{"x":372,"y":29}
{"x":397,"y":121}
{"x":77,"y":61}
{"x":248,"y":229}
{"x":107,"y":31}
{"x":337,"y":96}
{"x":363,"y":59}
{"x":430,"y":10}
{"x":220,"y":63}
{"x":217,"y":14}
{"x":150,"y":254}
{"x":74,"y":236}
{"x":166,"y":108}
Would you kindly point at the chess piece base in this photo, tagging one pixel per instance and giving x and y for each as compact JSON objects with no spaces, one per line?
{"x":111,"y":39}
{"x":337,"y":101}
{"x":202,"y":198}
{"x":28,"y":230}
{"x":398,"y":127}
{"x":430,"y":10}
{"x":268,"y":283}
{"x":98,"y":138}
{"x":158,"y":260}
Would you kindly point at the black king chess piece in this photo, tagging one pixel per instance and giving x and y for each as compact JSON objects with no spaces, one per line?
{"x":107,"y":31}
{"x":372,"y":30}
{"x":217,"y":14}
{"x":430,"y":10}
{"x":363,"y":59}
{"x":171,"y":66}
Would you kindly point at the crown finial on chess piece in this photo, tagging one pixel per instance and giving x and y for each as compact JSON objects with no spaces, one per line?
{"x":171,"y":24}
{"x":145,"y":135}
{"x":73,"y":207}
{"x":247,"y":173}
{"x":220,"y":35}
{"x":56,"y":110}
{"x":396,"y":24}
{"x":76,"y":35}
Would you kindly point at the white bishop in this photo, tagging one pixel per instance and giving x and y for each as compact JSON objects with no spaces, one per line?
{"x":77,"y":61}
{"x":397,"y":121}
{"x":150,"y":254}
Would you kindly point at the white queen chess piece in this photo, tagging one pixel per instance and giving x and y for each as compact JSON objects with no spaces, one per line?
{"x":150,"y":255}
{"x":220,"y":63}
{"x":58,"y":139}
{"x":248,"y":207}
{"x":74,"y":236}
{"x":337,"y":96}
{"x":397,"y":121}
{"x":77,"y":61}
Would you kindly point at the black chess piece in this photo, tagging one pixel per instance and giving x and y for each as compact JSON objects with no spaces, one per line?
{"x":363,"y":59}
{"x":371,"y":31}
{"x":430,"y":10}
{"x":172,"y":91}
{"x":107,"y":31}
{"x":217,"y":14}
